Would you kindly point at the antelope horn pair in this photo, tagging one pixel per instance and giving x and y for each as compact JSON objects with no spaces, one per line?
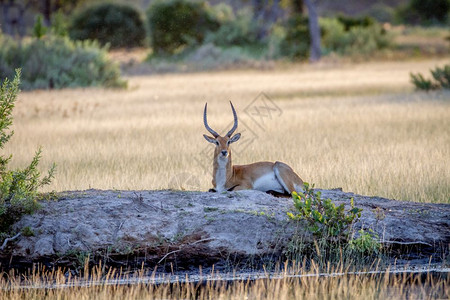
{"x":215,"y":134}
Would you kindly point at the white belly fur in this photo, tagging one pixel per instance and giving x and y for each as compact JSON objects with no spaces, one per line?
{"x":268,"y":182}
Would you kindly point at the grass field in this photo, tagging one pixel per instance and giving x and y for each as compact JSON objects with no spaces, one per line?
{"x":300,"y":284}
{"x":361,"y":127}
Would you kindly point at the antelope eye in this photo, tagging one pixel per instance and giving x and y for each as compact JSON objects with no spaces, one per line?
{"x":216,"y":142}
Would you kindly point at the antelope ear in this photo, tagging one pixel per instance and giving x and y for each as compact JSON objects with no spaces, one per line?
{"x":235,"y":138}
{"x":209,"y":139}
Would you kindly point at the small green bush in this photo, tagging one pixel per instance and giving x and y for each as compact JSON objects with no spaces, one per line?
{"x":366,"y":243}
{"x":297,"y":40}
{"x":18,"y":188}
{"x":118,"y":25}
{"x":235,"y":29}
{"x":175,"y":24}
{"x":324,"y":218}
{"x":39,"y":30}
{"x":424,"y":12}
{"x":441,"y":79}
{"x":442,"y":76}
{"x":57,"y":62}
{"x":350,"y":22}
{"x":421,"y":83}
{"x":356,"y":41}
{"x":331,"y":227}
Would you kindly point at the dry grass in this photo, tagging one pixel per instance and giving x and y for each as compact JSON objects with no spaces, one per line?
{"x":298,"y":285}
{"x":360,"y":127}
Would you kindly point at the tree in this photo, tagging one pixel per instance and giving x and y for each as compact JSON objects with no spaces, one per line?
{"x":314,"y":30}
{"x":265,"y":14}
{"x":13,"y":12}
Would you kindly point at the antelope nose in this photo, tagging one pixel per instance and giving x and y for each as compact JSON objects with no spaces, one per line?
{"x":224,"y":152}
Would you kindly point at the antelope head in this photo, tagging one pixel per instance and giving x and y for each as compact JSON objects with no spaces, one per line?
{"x":222,"y":151}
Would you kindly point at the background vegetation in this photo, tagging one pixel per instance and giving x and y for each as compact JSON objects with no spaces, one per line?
{"x":19,"y":187}
{"x":353,"y":120}
{"x":361,"y":127}
{"x":191,"y":35}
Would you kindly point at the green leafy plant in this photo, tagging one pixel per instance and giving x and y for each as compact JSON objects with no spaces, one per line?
{"x":324,"y":218}
{"x":58,"y":62}
{"x":441,"y":79}
{"x":350,"y":22}
{"x":235,"y":29}
{"x":18,"y":188}
{"x":424,"y":12}
{"x":118,"y":25}
{"x":421,"y":83}
{"x":367,"y":243}
{"x":442,"y":76}
{"x":297,"y":40}
{"x":331,"y":227}
{"x":39,"y":30}
{"x":361,"y":38}
{"x":175,"y":24}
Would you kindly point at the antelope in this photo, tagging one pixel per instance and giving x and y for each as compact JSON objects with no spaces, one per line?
{"x":270,"y":177}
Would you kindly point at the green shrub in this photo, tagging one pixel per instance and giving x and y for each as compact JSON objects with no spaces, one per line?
{"x":381,"y":12}
{"x":424,"y":12}
{"x":297,"y":40}
{"x":57,"y":62}
{"x":421,"y":83}
{"x":118,"y":25}
{"x":324,"y":218}
{"x":351,"y":22}
{"x":357,"y":41}
{"x":39,"y":30}
{"x":18,"y":188}
{"x":366,"y":243}
{"x":175,"y":24}
{"x":441,"y":79}
{"x":235,"y":29}
{"x":331,"y":227}
{"x":442,"y":76}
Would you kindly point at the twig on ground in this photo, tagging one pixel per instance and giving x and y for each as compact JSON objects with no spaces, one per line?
{"x":5,"y":242}
{"x":181,"y":248}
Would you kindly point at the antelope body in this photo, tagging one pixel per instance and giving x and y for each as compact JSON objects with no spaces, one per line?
{"x":264,"y":176}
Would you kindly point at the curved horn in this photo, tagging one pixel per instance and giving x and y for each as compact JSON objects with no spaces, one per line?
{"x":235,"y":121}
{"x":215,"y":134}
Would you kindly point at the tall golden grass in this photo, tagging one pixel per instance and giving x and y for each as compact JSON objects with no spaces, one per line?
{"x":357,"y":126}
{"x":336,"y":284}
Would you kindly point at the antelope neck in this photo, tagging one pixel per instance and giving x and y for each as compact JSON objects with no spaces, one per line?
{"x":222,"y":172}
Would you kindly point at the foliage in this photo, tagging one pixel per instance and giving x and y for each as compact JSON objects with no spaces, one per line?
{"x":357,"y":40}
{"x":441,"y":79}
{"x":324,"y":218}
{"x":331,"y":227}
{"x":18,"y":188}
{"x":235,"y":29}
{"x":381,"y":12}
{"x":57,"y":62}
{"x":39,"y":30}
{"x":367,"y":243}
{"x":175,"y":24}
{"x":297,"y":40}
{"x":424,"y":12}
{"x":118,"y":25}
{"x":27,"y":231}
{"x":442,"y":76}
{"x":350,"y":22}
{"x":421,"y":83}
{"x":59,"y":25}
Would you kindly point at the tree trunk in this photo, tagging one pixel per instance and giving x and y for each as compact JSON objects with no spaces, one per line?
{"x":47,"y":12}
{"x":314,"y":31}
{"x":6,"y":28}
{"x":297,"y":7}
